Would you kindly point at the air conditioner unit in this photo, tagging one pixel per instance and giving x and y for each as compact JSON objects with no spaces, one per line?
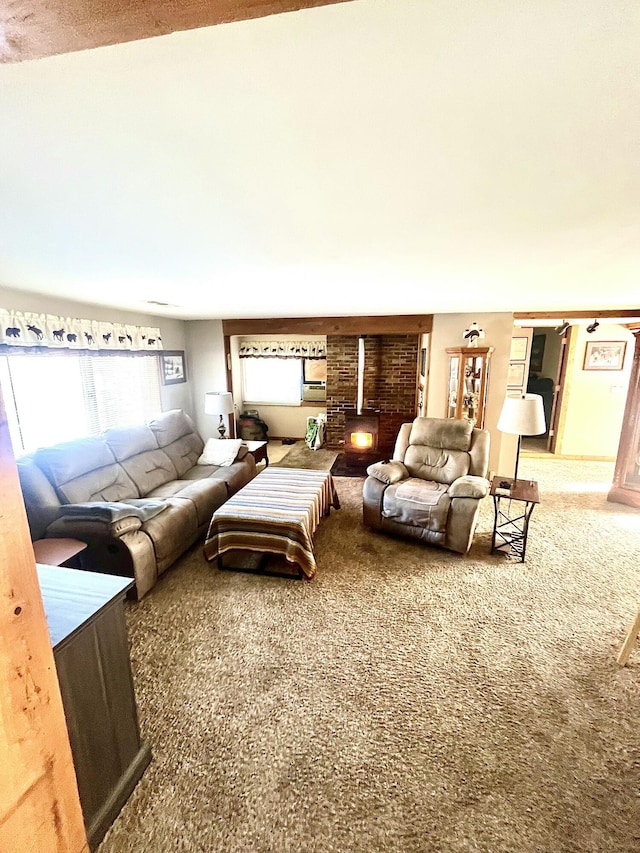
{"x":314,"y":392}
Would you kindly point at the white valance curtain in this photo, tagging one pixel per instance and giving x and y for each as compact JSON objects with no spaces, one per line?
{"x":48,"y":330}
{"x":282,"y":349}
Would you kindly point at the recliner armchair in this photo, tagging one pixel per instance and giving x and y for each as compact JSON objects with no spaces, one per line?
{"x":432,"y":487}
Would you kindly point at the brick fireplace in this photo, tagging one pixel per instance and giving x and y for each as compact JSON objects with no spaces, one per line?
{"x":389,"y":388}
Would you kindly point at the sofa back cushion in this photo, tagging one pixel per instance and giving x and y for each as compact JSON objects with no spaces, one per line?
{"x":136,"y":449}
{"x":149,"y":470}
{"x":85,"y":470}
{"x":176,"y":434}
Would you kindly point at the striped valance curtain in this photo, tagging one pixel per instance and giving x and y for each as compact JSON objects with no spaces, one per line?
{"x":49,"y":330}
{"x":282,"y":349}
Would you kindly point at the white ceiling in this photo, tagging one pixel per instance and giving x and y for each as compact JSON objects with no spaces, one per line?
{"x":373,"y":157}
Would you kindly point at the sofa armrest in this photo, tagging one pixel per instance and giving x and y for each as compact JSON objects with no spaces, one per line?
{"x":73,"y":527}
{"x":388,"y":472}
{"x":469,"y":486}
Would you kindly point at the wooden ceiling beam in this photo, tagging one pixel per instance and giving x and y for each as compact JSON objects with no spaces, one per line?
{"x":398,"y":324}
{"x":32,"y":29}
{"x":570,"y":314}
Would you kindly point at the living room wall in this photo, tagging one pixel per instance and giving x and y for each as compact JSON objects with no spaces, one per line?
{"x":173,"y":331}
{"x":448,"y":331}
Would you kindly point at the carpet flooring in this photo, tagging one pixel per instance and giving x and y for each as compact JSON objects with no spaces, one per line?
{"x":407,"y":699}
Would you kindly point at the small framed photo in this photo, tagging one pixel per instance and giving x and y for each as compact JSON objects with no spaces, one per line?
{"x":604,"y":355}
{"x":518,"y":349}
{"x":172,"y":367}
{"x":515,"y":378}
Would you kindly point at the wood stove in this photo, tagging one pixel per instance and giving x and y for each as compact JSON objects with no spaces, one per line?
{"x":361,"y":432}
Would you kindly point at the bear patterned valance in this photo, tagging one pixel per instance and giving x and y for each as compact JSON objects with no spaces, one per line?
{"x":49,"y":330}
{"x":283,"y":349}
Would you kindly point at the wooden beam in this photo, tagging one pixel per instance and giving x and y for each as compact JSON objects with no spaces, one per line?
{"x":39,"y":804}
{"x":36,"y":28}
{"x":398,"y":324}
{"x":570,"y":314}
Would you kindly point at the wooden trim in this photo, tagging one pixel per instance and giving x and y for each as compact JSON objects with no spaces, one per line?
{"x":35,"y":30}
{"x":564,"y":380}
{"x":570,"y":314}
{"x":39,"y":802}
{"x":394,"y":324}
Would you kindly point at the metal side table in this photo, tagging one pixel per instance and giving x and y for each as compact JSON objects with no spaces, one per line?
{"x":513,"y":507}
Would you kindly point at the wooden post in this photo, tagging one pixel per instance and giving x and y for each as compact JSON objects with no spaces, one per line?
{"x":630,"y":639}
{"x":39,"y":805}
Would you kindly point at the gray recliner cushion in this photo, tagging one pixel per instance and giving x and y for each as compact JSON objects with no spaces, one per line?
{"x":421,"y":503}
{"x":433,"y":463}
{"x":449,"y":433}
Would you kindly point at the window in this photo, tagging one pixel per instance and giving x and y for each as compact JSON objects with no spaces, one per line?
{"x":272,"y":380}
{"x":57,"y":397}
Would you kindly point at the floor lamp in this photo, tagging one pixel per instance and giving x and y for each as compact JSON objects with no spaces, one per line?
{"x":520,"y":416}
{"x":219,"y":403}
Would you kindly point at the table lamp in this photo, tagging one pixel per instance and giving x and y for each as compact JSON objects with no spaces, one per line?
{"x":520,"y":416}
{"x":219,"y":403}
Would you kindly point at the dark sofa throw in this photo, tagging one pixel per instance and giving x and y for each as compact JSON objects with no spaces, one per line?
{"x":114,"y":511}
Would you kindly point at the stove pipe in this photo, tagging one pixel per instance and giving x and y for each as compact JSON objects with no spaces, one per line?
{"x":360,"y":399}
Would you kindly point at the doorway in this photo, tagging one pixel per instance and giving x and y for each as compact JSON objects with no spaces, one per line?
{"x":547,"y":370}
{"x":583,"y":396}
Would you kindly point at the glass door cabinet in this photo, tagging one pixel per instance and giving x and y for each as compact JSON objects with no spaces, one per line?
{"x":467,"y":383}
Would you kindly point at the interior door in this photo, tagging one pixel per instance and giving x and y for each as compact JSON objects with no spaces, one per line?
{"x":558,"y":390}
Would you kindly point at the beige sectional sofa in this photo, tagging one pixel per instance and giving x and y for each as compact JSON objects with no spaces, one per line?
{"x":135,"y":494}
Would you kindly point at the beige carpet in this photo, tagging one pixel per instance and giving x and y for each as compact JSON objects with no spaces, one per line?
{"x":407,"y":699}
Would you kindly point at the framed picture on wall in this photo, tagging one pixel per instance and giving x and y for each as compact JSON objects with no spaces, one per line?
{"x":515,"y":377}
{"x":172,"y":367}
{"x":518,"y":349}
{"x":604,"y":355}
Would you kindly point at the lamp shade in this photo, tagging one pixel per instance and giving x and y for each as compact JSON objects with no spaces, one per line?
{"x":522,"y":415}
{"x":218,"y":403}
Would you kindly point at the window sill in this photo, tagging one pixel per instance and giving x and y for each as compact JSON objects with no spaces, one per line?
{"x":299,"y":405}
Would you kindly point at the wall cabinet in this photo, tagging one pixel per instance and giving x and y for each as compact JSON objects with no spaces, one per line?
{"x":467,"y":383}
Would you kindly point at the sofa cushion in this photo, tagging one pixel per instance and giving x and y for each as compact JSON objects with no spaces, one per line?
{"x":71,"y":459}
{"x":170,"y":530}
{"x":176,"y":434}
{"x":206,"y":495}
{"x":218,"y":451}
{"x":129,"y":441}
{"x":149,"y":470}
{"x":170,"y":426}
{"x":110,"y":483}
{"x":421,"y":503}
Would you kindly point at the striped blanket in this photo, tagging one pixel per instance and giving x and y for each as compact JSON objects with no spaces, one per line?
{"x":277,"y":513}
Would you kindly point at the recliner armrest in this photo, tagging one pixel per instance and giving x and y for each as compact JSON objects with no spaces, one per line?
{"x":388,"y":472}
{"x":469,"y":486}
{"x":68,"y":526}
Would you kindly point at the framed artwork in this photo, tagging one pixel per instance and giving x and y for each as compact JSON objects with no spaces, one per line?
{"x":515,"y":377}
{"x":518,"y":349}
{"x":423,"y":361}
{"x":172,"y":367}
{"x":537,"y":352}
{"x":604,"y":355}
